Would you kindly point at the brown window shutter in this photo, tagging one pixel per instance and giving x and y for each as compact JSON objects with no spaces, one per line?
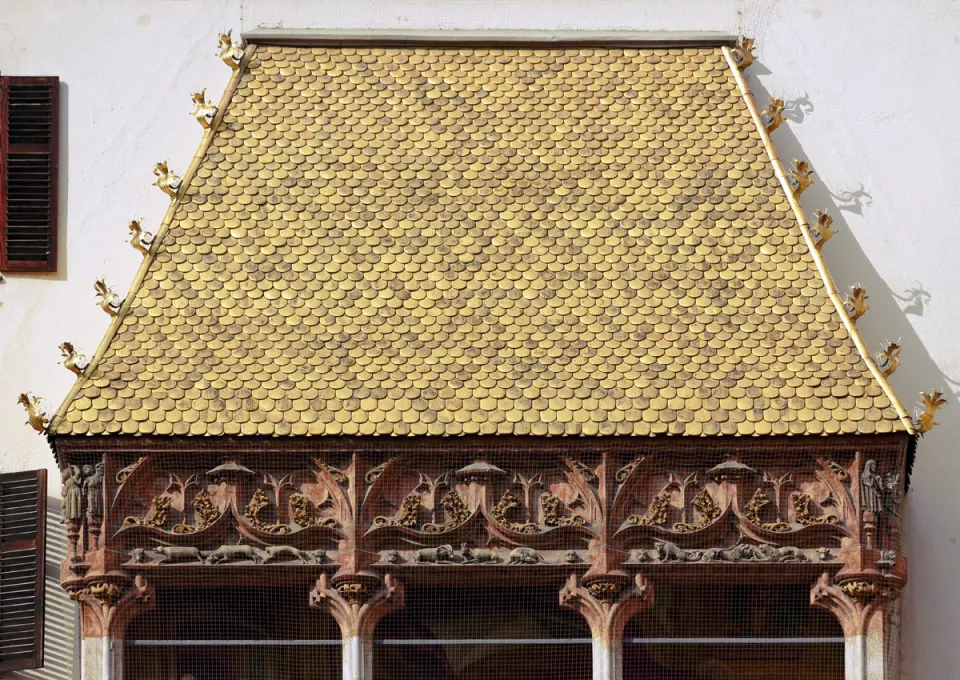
{"x":23,"y":511}
{"x":29,"y":150}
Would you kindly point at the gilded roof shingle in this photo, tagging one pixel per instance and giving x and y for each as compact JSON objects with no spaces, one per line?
{"x":468,"y":240}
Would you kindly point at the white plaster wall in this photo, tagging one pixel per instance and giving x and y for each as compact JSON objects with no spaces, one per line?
{"x":873,"y":92}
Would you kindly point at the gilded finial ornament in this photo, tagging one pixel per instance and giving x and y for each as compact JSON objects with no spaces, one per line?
{"x":141,"y":240}
{"x":800,"y":178}
{"x":229,"y":53}
{"x":743,"y":53}
{"x":933,"y":402}
{"x":107,"y":298}
{"x":822,"y":232}
{"x":204,"y":111}
{"x":856,"y":303}
{"x":74,"y":362}
{"x":168,"y":182}
{"x":772,"y":116}
{"x":888,"y":360}
{"x":37,"y":417}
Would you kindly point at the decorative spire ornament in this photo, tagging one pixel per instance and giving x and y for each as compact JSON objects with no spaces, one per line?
{"x":743,"y":53}
{"x":37,"y":417}
{"x":933,"y":402}
{"x":822,"y":232}
{"x":856,"y":303}
{"x":141,"y":240}
{"x":204,"y":111}
{"x":800,"y":177}
{"x":168,"y":182}
{"x":229,"y":53}
{"x":107,"y":298}
{"x":772,"y":116}
{"x":888,"y":360}
{"x":74,"y":362}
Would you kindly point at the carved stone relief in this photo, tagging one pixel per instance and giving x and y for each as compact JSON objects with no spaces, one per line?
{"x":472,"y":511}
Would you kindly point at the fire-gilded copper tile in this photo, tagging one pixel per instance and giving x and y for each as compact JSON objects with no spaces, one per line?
{"x":443,"y":241}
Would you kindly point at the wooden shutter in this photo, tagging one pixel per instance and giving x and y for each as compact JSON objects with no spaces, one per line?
{"x":23,"y":511}
{"x":29,"y":150}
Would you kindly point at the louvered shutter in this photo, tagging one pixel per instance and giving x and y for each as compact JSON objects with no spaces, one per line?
{"x":23,"y":510}
{"x":29,"y":149}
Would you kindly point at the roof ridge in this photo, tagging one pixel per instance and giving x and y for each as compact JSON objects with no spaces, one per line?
{"x":162,"y":232}
{"x":821,"y":264}
{"x":541,"y":39}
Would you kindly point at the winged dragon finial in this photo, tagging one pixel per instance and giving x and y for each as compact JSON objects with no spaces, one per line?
{"x":37,"y":416}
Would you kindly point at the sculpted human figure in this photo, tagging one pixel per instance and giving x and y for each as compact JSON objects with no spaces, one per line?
{"x":93,"y":487}
{"x":72,"y":509}
{"x":871,"y":489}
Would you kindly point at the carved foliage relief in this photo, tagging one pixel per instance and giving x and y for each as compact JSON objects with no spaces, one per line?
{"x":465,"y":509}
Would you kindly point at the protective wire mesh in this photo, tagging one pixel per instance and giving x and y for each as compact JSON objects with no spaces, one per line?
{"x":255,"y":632}
{"x":728,"y":605}
{"x":735,"y":630}
{"x":483,"y":633}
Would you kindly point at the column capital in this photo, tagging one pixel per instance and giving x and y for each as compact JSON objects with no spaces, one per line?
{"x":107,"y":606}
{"x":854,"y":601}
{"x":358,"y":604}
{"x":607,"y":604}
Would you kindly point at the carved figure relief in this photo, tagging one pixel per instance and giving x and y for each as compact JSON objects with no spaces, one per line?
{"x":72,"y":507}
{"x":871,"y":488}
{"x":665,"y":552}
{"x":93,"y":489}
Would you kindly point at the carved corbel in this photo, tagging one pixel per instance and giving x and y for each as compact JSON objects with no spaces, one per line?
{"x":357,"y":605}
{"x":855,"y":603}
{"x":607,"y":605}
{"x":107,"y":608}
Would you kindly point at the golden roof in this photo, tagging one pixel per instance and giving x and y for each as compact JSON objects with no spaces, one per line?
{"x":445,"y":240}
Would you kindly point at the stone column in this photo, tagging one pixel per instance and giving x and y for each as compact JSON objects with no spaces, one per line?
{"x":607,"y":605}
{"x":357,"y":605}
{"x":106,"y":610}
{"x":866,"y":611}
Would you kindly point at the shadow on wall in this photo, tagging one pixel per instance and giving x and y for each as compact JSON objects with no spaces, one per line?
{"x":888,"y":320}
{"x":848,"y":264}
